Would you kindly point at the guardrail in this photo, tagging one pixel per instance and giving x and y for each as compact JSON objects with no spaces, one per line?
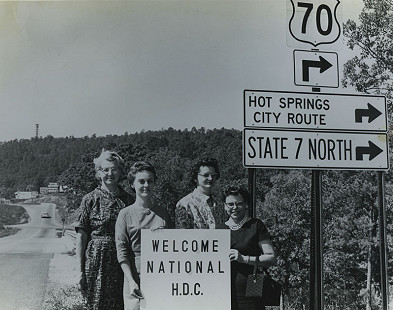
{"x":71,"y":235}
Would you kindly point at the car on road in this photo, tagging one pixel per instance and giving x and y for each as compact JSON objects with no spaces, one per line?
{"x":45,"y":215}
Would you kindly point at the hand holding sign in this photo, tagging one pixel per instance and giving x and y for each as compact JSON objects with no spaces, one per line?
{"x":234,"y":255}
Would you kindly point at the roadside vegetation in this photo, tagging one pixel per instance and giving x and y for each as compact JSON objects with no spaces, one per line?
{"x":11,"y":215}
{"x":61,"y":291}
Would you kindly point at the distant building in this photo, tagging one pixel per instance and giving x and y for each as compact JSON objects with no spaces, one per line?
{"x":44,"y":190}
{"x":53,"y":188}
{"x":4,"y":200}
{"x":26,"y":195}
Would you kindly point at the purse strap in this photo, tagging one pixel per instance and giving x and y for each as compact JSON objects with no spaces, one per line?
{"x":254,"y":273}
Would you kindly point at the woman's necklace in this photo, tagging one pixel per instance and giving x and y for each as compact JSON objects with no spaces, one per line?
{"x":238,"y":225}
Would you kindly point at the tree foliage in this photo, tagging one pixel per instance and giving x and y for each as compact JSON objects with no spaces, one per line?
{"x":372,"y":70}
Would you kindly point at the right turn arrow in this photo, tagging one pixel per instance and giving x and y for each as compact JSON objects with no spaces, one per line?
{"x":322,"y":64}
{"x":371,"y":149}
{"x":371,"y":112}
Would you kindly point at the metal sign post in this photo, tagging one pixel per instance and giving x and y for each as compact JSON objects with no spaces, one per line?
{"x":383,"y":241}
{"x":316,"y":242}
{"x":252,"y":179}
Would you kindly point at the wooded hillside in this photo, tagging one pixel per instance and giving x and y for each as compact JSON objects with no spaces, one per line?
{"x":351,"y":259}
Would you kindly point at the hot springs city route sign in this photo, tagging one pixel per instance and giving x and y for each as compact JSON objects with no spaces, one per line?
{"x":310,"y":111}
{"x":314,"y":131}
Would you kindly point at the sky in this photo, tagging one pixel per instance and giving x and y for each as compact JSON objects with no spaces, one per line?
{"x":79,"y":68}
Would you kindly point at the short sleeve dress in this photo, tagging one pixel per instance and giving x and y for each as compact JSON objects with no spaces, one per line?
{"x":198,"y":211}
{"x":104,"y":276}
{"x":245,"y":240}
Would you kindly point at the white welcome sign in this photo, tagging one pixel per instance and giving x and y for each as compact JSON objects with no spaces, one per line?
{"x":185,"y":269}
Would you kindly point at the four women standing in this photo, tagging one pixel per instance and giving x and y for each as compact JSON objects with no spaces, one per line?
{"x":106,"y":223}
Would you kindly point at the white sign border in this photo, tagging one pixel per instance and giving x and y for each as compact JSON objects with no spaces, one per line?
{"x":314,"y":129}
{"x":302,"y":167}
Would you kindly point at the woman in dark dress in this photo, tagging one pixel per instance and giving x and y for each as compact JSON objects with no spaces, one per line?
{"x":249,"y":239}
{"x":101,"y":277}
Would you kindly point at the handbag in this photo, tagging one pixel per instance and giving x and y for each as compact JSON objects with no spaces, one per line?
{"x":263,"y":286}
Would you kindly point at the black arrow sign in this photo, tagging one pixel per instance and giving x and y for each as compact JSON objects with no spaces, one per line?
{"x":322,"y":64}
{"x":371,"y":112}
{"x":371,"y":149}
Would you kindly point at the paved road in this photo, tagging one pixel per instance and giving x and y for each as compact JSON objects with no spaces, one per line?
{"x":25,"y":258}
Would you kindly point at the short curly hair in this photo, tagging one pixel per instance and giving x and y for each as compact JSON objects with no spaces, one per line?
{"x":203,"y":162}
{"x":110,"y":156}
{"x":236,"y":190}
{"x":140,"y":166}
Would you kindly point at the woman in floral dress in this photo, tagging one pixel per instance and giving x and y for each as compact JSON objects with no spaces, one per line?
{"x":199,"y":210}
{"x":101,"y":277}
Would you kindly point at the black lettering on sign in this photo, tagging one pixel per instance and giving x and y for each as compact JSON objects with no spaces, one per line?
{"x":266,"y":117}
{"x":329,"y":149}
{"x":268,"y":148}
{"x":306,"y":119}
{"x":184,"y":289}
{"x":299,"y":140}
{"x":304,"y":103}
{"x":322,"y":7}
{"x":260,"y":101}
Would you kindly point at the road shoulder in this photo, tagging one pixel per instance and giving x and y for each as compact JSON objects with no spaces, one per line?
{"x":61,"y":291}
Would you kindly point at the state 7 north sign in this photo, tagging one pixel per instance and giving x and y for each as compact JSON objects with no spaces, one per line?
{"x":314,"y":149}
{"x":317,"y":22}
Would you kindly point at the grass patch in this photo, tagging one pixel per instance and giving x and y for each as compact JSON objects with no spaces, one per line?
{"x":11,"y":215}
{"x":63,"y":297}
{"x":4,"y":231}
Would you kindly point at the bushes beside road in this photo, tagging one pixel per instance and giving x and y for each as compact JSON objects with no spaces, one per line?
{"x":11,"y":215}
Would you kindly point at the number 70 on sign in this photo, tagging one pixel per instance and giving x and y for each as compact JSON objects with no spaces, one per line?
{"x":314,"y":24}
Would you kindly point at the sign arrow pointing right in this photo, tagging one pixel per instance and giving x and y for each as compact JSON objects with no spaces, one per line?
{"x":371,"y":112}
{"x":322,"y":64}
{"x":371,"y":149}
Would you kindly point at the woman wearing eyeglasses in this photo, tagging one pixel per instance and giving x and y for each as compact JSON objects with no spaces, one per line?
{"x":199,"y":209}
{"x":101,"y":277}
{"x":250,"y":241}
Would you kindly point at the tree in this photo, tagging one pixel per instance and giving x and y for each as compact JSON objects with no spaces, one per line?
{"x":372,"y":70}
{"x":286,"y":212}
